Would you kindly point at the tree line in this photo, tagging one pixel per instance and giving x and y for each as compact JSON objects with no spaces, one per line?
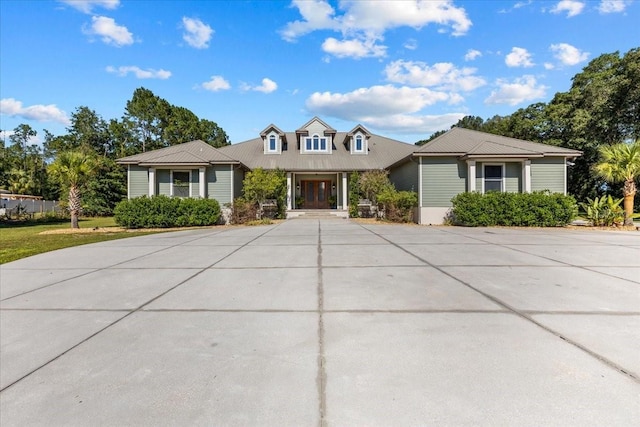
{"x":148,"y":123}
{"x":601,"y":109}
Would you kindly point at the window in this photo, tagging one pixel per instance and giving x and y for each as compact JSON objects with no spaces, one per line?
{"x":316,"y":143}
{"x":180,"y":183}
{"x":359,"y":143}
{"x":493,"y":178}
{"x":272,"y":143}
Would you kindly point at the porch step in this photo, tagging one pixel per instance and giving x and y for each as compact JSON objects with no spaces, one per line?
{"x":317,"y":214}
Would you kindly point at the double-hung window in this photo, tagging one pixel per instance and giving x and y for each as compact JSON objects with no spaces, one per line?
{"x":180,"y":183}
{"x":359,"y":143}
{"x":272,"y":143}
{"x":493,"y":178}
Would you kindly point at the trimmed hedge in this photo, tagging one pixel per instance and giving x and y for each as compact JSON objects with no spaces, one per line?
{"x":537,"y":209}
{"x":163,"y":212}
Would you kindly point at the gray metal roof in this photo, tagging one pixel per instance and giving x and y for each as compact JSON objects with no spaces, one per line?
{"x":471,"y":143}
{"x":383,"y":152}
{"x":190,"y":153}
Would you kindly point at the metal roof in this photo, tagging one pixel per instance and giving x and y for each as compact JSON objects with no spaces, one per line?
{"x":383,"y":152}
{"x":194,"y":152}
{"x":471,"y":143}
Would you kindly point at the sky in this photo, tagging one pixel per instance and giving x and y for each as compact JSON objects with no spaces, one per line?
{"x":402,"y":68}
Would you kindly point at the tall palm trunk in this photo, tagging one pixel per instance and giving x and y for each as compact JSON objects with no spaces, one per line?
{"x":629,"y":192}
{"x":74,"y":205}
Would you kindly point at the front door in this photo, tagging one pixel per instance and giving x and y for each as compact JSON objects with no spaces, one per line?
{"x":316,"y":194}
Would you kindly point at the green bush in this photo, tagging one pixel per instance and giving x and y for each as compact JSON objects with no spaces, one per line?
{"x":537,"y":209}
{"x":398,"y":205}
{"x":604,"y":211}
{"x":163,"y":212}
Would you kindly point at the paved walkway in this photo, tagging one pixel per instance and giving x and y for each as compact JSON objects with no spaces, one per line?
{"x":326,"y":322}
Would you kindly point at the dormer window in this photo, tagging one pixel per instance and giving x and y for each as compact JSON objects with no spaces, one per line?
{"x":272,"y":144}
{"x":358,"y":144}
{"x":316,"y":144}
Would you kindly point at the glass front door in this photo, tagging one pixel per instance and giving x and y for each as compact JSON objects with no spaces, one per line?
{"x":316,"y":194}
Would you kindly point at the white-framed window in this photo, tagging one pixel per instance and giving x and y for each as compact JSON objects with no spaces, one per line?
{"x":316,"y":143}
{"x":180,"y":183}
{"x":358,"y":144}
{"x":492,"y":177}
{"x":272,"y":143}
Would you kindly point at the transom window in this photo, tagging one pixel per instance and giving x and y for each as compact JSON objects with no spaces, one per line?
{"x":180,"y":183}
{"x":316,"y":143}
{"x":493,"y":178}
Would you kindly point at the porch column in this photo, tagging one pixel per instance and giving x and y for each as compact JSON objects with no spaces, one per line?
{"x":289,"y":190}
{"x":152,"y":182}
{"x":345,"y":200}
{"x":203,"y":183}
{"x":471,"y":175}
{"x":526,"y":176}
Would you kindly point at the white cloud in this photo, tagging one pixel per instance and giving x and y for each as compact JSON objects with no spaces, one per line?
{"x":613,"y":6}
{"x":567,"y":54}
{"x":413,"y":124}
{"x":375,"y":101}
{"x":267,"y":86}
{"x":87,"y":6}
{"x":149,"y":73}
{"x":572,"y":7}
{"x":549,"y":66}
{"x":109,"y":31}
{"x":197,"y":34}
{"x":411,"y":44}
{"x":522,"y":89}
{"x":519,"y":57}
{"x":362,"y":23}
{"x":217,"y":83}
{"x":442,"y":75}
{"x":39,"y":112}
{"x":472,"y":54}
{"x":353,"y":48}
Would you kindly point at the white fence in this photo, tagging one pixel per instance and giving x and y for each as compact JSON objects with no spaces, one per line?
{"x":9,"y":207}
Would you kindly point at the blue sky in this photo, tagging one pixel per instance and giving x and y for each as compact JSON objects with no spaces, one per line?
{"x":403,"y":69}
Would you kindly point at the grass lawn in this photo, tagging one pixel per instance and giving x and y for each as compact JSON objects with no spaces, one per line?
{"x":23,"y":240}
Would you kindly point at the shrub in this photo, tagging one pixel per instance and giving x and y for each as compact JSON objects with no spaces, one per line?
{"x":603,"y":211}
{"x":398,"y":205}
{"x":163,"y":212}
{"x":243,"y":211}
{"x":537,"y":209}
{"x":260,"y":185}
{"x":354,"y":195}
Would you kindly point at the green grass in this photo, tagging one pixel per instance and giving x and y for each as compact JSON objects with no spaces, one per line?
{"x":24,"y":239}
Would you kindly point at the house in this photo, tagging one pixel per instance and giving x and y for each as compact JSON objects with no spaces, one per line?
{"x":319,"y":160}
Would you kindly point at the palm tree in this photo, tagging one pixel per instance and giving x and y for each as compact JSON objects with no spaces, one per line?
{"x":621,"y":163}
{"x":73,"y":169}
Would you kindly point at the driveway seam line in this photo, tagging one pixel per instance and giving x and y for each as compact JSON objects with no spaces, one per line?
{"x":322,"y":374}
{"x":520,"y":314}
{"x":139,"y":308}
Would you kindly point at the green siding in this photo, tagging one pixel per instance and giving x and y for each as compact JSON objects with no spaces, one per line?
{"x":513,"y":177}
{"x":238,"y":177}
{"x":195,"y":184}
{"x":163,"y":182}
{"x":138,"y":181}
{"x":479,"y":175}
{"x":219,"y":183}
{"x":442,"y":178}
{"x":405,"y":177}
{"x":548,"y":174}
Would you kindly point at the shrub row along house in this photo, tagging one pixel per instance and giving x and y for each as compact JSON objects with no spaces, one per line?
{"x":318,"y":161}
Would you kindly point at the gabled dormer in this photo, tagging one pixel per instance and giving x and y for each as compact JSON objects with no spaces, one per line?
{"x":273,"y":139}
{"x":315,"y":137}
{"x":357,"y":140}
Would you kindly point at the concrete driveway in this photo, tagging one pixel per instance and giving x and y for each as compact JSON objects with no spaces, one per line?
{"x":326,"y":322}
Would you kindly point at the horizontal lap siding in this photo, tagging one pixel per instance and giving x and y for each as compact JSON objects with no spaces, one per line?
{"x":513,"y":176}
{"x":238,"y":177}
{"x":195,"y":184}
{"x":405,"y":177}
{"x":138,"y":181}
{"x":219,"y":183}
{"x":548,"y":174}
{"x":442,"y":179}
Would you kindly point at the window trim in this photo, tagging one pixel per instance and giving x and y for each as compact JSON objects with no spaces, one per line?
{"x":171,"y":192}
{"x":502,"y":176}
{"x":354,"y":144}
{"x":317,"y":144}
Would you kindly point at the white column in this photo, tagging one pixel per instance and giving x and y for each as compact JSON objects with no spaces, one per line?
{"x":152,"y":182}
{"x":203,"y":183}
{"x":526,"y":176}
{"x":471,"y":175}
{"x":345,"y":200}
{"x":289,"y":191}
